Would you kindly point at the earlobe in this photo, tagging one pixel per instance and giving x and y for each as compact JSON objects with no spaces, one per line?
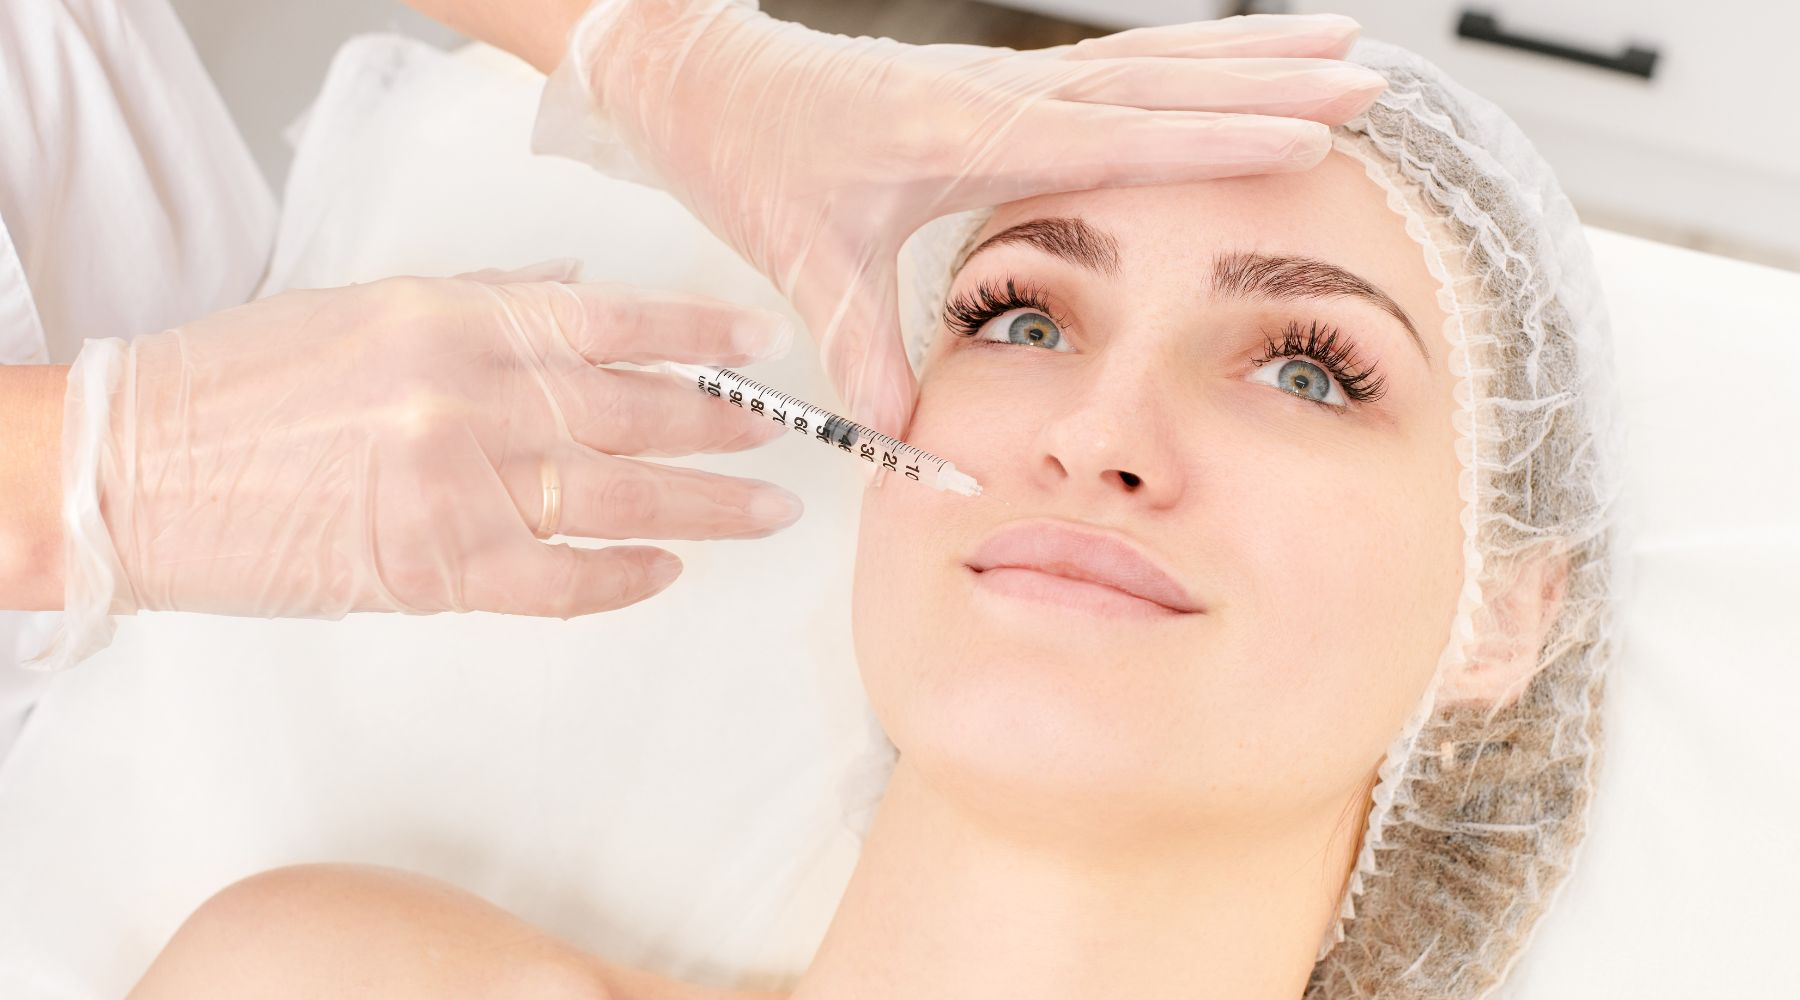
{"x":1510,"y":633}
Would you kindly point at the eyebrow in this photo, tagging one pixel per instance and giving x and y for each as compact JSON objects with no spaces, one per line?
{"x":1243,"y":275}
{"x":1072,"y":239}
{"x":1286,"y":277}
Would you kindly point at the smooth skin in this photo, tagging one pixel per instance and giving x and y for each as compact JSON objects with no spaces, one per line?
{"x":1168,"y":807}
{"x":1085,"y":806}
{"x":31,"y":556}
{"x":349,"y":931}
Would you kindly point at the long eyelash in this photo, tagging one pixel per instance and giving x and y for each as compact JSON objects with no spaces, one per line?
{"x":1336,"y":354}
{"x":967,"y":313}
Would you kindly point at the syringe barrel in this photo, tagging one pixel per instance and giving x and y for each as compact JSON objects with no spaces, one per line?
{"x":816,"y":422}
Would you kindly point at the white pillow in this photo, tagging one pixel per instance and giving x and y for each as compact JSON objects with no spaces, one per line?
{"x":1686,"y":884}
{"x":616,"y":781}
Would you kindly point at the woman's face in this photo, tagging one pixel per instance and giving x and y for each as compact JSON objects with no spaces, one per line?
{"x":1219,"y":548}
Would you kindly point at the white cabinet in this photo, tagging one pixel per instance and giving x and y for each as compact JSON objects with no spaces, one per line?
{"x":1707,"y":148}
{"x":1709,"y":143}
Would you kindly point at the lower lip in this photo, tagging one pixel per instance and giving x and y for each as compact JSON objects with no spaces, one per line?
{"x":1029,"y":585}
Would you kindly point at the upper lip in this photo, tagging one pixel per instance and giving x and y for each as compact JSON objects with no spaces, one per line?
{"x":1076,"y":553}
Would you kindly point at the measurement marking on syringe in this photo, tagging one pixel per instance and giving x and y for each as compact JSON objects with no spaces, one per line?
{"x":826,"y":427}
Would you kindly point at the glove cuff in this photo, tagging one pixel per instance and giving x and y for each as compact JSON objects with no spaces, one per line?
{"x":92,"y":573}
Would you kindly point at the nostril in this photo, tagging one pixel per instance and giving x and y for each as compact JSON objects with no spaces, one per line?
{"x":1131,"y":481}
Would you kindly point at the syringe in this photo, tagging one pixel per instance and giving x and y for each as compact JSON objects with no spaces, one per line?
{"x":826,"y":427}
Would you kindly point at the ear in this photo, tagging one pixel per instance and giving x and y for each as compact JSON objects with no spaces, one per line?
{"x":1510,"y":631}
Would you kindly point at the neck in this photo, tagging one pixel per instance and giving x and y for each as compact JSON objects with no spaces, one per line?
{"x":946,"y":904}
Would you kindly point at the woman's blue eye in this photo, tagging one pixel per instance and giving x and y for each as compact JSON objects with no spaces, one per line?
{"x":1303,"y":378}
{"x":1023,"y":326}
{"x":1033,"y":328}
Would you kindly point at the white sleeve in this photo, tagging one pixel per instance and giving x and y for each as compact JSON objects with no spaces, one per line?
{"x":126,"y":190}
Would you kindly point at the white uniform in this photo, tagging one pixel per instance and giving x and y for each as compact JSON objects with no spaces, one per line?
{"x":128,"y":204}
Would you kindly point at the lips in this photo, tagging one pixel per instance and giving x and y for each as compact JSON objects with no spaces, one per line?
{"x":1076,"y":565}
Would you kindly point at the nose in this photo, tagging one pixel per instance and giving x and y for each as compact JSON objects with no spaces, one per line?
{"x":1114,"y":439}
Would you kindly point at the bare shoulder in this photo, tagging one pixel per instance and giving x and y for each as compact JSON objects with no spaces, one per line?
{"x":361,"y":931}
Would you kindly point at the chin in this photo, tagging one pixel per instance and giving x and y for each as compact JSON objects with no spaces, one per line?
{"x":1039,"y":731}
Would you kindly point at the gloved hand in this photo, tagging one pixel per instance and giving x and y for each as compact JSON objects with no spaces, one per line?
{"x":816,"y":155}
{"x":393,"y":447}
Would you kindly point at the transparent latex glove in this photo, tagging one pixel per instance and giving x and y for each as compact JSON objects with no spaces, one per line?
{"x":383,"y":447}
{"x":816,"y":155}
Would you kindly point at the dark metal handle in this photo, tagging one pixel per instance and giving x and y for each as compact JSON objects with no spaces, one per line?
{"x":1483,"y":27}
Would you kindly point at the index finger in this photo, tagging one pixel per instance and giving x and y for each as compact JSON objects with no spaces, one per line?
{"x":608,"y":323}
{"x":1319,"y":36}
{"x":1097,"y":146}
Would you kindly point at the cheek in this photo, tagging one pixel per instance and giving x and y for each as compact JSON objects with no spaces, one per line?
{"x":1350,"y":580}
{"x":891,"y":569}
{"x":908,"y":605}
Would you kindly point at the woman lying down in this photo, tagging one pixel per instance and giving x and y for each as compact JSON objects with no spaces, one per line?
{"x":1269,"y":667}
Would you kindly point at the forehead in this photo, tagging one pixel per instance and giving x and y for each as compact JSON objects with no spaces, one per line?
{"x":1334,"y":212}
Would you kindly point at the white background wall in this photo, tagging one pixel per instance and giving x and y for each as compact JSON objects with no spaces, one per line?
{"x":269,"y":56}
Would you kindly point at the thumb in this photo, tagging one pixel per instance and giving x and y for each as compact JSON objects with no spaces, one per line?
{"x":864,"y":354}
